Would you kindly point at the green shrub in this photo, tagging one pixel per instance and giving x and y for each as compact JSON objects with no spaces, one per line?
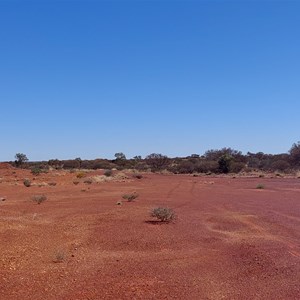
{"x":163,"y":214}
{"x":36,"y":171}
{"x":224,"y":163}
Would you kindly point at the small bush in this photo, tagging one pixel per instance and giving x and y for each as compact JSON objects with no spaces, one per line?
{"x":76,"y":182}
{"x":27,"y":182}
{"x":36,"y":171}
{"x":130,"y":197}
{"x":39,"y":198}
{"x":137,"y":175}
{"x":80,"y":175}
{"x":108,"y":173}
{"x":260,"y":186}
{"x":52,"y":183}
{"x":59,"y":256}
{"x":163,"y":214}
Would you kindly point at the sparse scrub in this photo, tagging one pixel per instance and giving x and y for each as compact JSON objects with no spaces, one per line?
{"x":157,"y":161}
{"x":130,"y":197}
{"x":163,"y":214}
{"x":260,"y":186}
{"x":27,"y":182}
{"x":75,"y":182}
{"x":39,"y":198}
{"x":52,"y":183}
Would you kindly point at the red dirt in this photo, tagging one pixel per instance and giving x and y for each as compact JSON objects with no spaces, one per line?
{"x":230,"y":240}
{"x":6,"y":166}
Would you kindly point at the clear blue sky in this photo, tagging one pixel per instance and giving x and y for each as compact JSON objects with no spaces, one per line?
{"x":91,"y":78}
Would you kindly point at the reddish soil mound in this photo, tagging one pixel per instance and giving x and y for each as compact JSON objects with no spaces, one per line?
{"x":6,"y":166}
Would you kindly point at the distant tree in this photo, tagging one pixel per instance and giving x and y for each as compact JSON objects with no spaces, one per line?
{"x":120,"y":156}
{"x":295,"y":154}
{"x":137,"y":160}
{"x":195,"y":155}
{"x":79,"y":161}
{"x":157,"y":161}
{"x":216,"y":154}
{"x":21,"y":158}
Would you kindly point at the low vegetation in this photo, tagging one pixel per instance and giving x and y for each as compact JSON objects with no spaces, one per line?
{"x":137,"y":175}
{"x":130,"y":197}
{"x":163,"y":214}
{"x":38,"y":170}
{"x":39,"y":198}
{"x":108,"y":173}
{"x":260,"y":186}
{"x":27,"y":182}
{"x":59,"y":256}
{"x":80,"y":175}
{"x":214,"y":161}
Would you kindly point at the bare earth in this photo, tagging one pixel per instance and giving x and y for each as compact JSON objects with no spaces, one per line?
{"x":230,"y":240}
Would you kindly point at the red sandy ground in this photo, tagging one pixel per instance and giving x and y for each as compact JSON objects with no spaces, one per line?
{"x":230,"y":240}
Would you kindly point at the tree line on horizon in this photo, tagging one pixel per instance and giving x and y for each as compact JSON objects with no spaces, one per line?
{"x":225,"y":160}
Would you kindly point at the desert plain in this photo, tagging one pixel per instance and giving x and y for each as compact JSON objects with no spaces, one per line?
{"x":230,"y":240}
